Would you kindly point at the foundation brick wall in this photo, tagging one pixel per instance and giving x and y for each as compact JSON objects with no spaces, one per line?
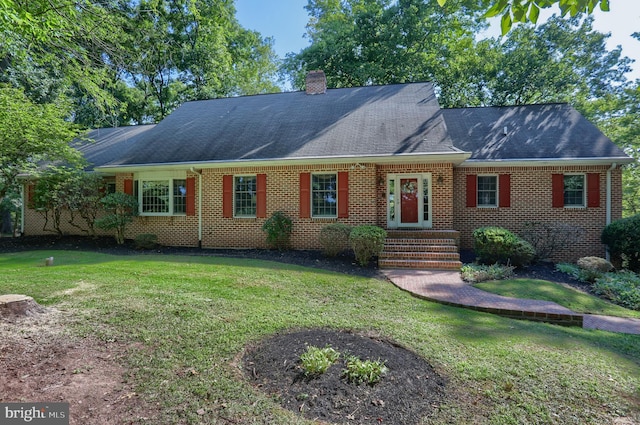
{"x":531,"y":202}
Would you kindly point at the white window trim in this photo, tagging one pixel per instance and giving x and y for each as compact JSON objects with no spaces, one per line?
{"x":234,"y":196}
{"x":158,"y":176}
{"x":320,"y":217}
{"x":584,"y":191}
{"x":478,"y":205}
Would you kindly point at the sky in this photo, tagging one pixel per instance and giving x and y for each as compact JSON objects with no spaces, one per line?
{"x":285,"y":22}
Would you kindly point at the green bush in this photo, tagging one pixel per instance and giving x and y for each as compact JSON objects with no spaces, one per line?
{"x":622,"y":288}
{"x":315,"y":361}
{"x":334,"y":238}
{"x":121,"y":209}
{"x":367,"y":371}
{"x":146,"y":241}
{"x":367,"y":242}
{"x":622,"y":238}
{"x":498,"y":245}
{"x":278,"y":228}
{"x":477,"y":273}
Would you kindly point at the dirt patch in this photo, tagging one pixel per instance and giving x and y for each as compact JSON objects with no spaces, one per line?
{"x":41,"y":362}
{"x":410,"y":390}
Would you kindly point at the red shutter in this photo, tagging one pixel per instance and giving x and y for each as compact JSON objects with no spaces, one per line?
{"x":128,"y":187}
{"x":191,"y":196}
{"x":472,"y":189}
{"x":343,"y":194}
{"x":227,"y":196}
{"x":261,"y":196}
{"x":31,"y":193}
{"x":557,"y":190}
{"x":305,"y":195}
{"x":504,"y":182}
{"x":593,"y":190}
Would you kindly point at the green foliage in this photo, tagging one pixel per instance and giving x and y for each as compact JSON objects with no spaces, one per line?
{"x":475,"y":273}
{"x":278,"y":228}
{"x":498,"y":245}
{"x":622,"y":238}
{"x":146,"y":241}
{"x":368,"y":371}
{"x":367,"y":242}
{"x":548,"y":239}
{"x":315,"y":361}
{"x":334,"y":238}
{"x":121,"y":209}
{"x":622,"y":288}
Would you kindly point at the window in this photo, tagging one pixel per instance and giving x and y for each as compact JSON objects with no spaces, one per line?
{"x":162,"y":197}
{"x":574,"y":190}
{"x":324,"y":199}
{"x":245,"y":196}
{"x":487,"y":191}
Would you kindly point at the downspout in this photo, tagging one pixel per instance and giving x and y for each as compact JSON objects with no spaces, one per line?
{"x":608,"y":203}
{"x":199,"y":173}
{"x":24,"y":205}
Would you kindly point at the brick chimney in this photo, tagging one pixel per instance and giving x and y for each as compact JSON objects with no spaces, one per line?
{"x":316,"y":82}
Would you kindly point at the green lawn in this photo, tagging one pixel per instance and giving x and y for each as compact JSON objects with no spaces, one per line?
{"x":197,"y":313}
{"x":549,"y":291}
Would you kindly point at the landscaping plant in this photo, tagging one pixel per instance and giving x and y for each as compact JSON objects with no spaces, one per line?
{"x":121,"y":209}
{"x":334,"y":238}
{"x":623,"y":239}
{"x":278,"y":228}
{"x":623,"y":288}
{"x":367,"y":242}
{"x":358,"y":371}
{"x":315,"y":361}
{"x":494,"y":244}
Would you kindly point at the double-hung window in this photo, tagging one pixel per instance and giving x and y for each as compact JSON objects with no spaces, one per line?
{"x":245,"y":196}
{"x":162,"y":196}
{"x":324,"y":195}
{"x":574,"y":190}
{"x":487,"y":191}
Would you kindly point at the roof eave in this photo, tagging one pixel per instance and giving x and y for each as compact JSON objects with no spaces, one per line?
{"x":536,"y":162}
{"x":456,"y":157}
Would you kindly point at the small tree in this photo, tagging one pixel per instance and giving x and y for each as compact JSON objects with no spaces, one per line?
{"x":49,"y":197}
{"x":121,"y":209}
{"x":83,"y":196}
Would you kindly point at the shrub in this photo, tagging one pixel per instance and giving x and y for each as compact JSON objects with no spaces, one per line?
{"x":121,"y":209}
{"x":622,"y":238}
{"x":334,"y":238}
{"x":476,"y":273}
{"x":498,"y":245}
{"x":146,"y":241}
{"x":549,"y":238}
{"x":278,"y":228}
{"x":315,"y":361}
{"x":367,"y":242}
{"x":368,"y":371}
{"x":595,"y":263}
{"x":623,"y":288}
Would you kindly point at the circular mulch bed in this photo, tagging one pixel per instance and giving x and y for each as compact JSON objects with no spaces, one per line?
{"x":410,"y":389}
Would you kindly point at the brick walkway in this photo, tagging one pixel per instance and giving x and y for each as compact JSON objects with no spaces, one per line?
{"x":447,"y":287}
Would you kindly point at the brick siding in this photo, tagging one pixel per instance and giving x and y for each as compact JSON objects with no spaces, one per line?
{"x":530,"y":201}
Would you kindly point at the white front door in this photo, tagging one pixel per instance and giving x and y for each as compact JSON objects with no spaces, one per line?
{"x":409,"y":201}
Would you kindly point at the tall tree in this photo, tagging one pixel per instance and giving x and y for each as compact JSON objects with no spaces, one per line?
{"x":360,"y":42}
{"x":30,"y":133}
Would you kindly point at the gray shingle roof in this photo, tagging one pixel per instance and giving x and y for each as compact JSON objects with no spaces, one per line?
{"x":553,"y":131}
{"x":374,"y":120}
{"x":106,"y":145}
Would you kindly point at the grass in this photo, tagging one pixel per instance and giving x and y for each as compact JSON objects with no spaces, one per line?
{"x":198,"y":313}
{"x":549,"y":291}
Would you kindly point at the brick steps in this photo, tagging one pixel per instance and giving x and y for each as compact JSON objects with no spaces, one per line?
{"x":421,"y":249}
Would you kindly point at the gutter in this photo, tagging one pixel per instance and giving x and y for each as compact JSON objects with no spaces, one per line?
{"x":608,"y":203}
{"x":529,"y":162}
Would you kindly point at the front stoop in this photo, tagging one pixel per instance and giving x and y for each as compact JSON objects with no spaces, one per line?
{"x":421,"y":249}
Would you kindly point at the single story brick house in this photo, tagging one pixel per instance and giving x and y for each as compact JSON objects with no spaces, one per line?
{"x":211,"y":172}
